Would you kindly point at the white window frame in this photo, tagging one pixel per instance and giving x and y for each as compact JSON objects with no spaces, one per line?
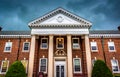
{"x":40,"y":65}
{"x":41,"y":43}
{"x":117,"y":65}
{"x":74,"y":65}
{"x":6,"y":46}
{"x":26,"y":65}
{"x":2,"y":66}
{"x":94,"y":44}
{"x":28,"y":47}
{"x":76,"y":43}
{"x":111,"y":44}
{"x":57,"y":43}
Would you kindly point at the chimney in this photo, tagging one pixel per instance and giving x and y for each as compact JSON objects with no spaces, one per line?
{"x":0,"y":28}
{"x":119,"y":28}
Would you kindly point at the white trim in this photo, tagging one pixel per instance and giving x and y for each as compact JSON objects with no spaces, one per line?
{"x":76,"y":43}
{"x":1,"y":67}
{"x":40,"y":64}
{"x":28,"y":47}
{"x":117,"y":65}
{"x":41,"y":43}
{"x":111,"y":44}
{"x":104,"y":35}
{"x":62,"y":31}
{"x":74,"y":65}
{"x":6,"y":46}
{"x":95,"y":44}
{"x":26,"y":65}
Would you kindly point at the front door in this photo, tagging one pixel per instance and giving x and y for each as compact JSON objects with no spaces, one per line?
{"x":60,"y":69}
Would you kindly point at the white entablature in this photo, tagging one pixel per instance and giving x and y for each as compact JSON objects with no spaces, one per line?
{"x":59,"y":20}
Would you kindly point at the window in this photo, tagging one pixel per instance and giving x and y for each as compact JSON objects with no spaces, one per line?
{"x":77,"y":65}
{"x":8,"y":47}
{"x":25,"y":64}
{"x":43,"y":65}
{"x":94,"y":46}
{"x":111,"y":46}
{"x":76,"y":43}
{"x":4,"y":66}
{"x":60,"y":43}
{"x":44,"y":43}
{"x":115,"y":65}
{"x":26,"y":46}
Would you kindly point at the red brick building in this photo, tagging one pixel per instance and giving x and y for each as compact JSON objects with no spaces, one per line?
{"x":60,"y":44}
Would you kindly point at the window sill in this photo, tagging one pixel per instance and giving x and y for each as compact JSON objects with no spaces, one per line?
{"x":25,"y":51}
{"x":94,"y":50}
{"x":7,"y":51}
{"x":116,"y":72}
{"x":77,"y":72}
{"x":112,"y":50}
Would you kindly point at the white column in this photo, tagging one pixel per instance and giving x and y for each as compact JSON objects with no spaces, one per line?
{"x":31,"y":57}
{"x":69,"y":56}
{"x":50,"y":57}
{"x":88,"y":56}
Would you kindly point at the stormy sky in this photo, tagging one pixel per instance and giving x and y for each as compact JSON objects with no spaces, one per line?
{"x":16,"y":14}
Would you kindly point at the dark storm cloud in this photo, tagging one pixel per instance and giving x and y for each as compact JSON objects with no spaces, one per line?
{"x":16,"y":14}
{"x":103,"y":13}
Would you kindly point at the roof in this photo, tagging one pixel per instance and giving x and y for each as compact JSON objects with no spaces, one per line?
{"x":104,"y":32}
{"x":38,"y":21}
{"x":15,"y":32}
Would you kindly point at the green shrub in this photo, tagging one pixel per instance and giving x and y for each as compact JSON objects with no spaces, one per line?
{"x":100,"y":69}
{"x":16,"y":70}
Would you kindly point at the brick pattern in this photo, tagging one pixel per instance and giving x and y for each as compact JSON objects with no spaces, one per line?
{"x":12,"y":56}
{"x":39,"y":53}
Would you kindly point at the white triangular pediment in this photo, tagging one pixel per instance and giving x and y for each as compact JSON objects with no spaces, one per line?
{"x":59,"y":17}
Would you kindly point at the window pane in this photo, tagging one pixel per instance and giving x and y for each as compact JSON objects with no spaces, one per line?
{"x":44,"y":40}
{"x":75,"y":40}
{"x":60,"y":42}
{"x":4,"y":66}
{"x":26,"y":46}
{"x":77,"y":65}
{"x":111,"y":47}
{"x":94,"y":48}
{"x":8,"y":46}
{"x":115,"y":65}
{"x":44,"y":43}
{"x":43,"y":65}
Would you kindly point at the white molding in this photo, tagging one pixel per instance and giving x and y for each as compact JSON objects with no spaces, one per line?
{"x":104,"y":35}
{"x":59,"y":11}
{"x":59,"y":31}
{"x":15,"y":36}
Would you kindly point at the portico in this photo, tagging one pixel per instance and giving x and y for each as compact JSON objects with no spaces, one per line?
{"x":62,"y":36}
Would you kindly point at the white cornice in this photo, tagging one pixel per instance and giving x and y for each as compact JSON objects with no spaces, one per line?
{"x":59,"y":31}
{"x":15,"y":36}
{"x":62,"y":12}
{"x":104,"y":35}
